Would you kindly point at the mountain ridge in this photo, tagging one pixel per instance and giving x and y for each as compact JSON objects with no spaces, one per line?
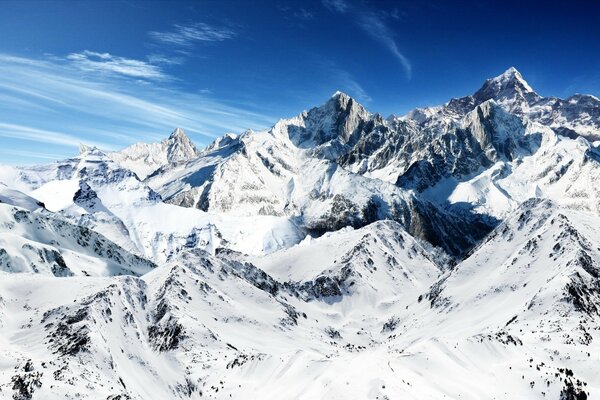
{"x":144,"y":159}
{"x":452,"y":252}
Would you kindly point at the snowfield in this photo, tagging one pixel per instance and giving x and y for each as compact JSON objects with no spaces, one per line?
{"x":453,"y":252}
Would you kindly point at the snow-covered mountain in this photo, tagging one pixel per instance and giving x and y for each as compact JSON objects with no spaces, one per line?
{"x":41,"y":242}
{"x":451,"y":252}
{"x":576,"y":115}
{"x":372,"y":316}
{"x":92,"y":190}
{"x":145,"y":158}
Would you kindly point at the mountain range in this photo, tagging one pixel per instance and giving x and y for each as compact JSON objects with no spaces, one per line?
{"x":452,"y":252}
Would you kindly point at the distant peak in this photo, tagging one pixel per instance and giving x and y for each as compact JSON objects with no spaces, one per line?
{"x":343,"y":100}
{"x":178,"y":133}
{"x":85,"y":149}
{"x":507,"y":88}
{"x":339,"y":94}
{"x":510,"y":78}
{"x":180,"y":147}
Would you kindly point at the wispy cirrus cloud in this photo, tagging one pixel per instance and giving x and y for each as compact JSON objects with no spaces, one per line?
{"x":303,"y":15}
{"x":350,"y":85}
{"x":38,"y":135}
{"x":343,"y":80}
{"x":36,"y":155}
{"x":340,"y":6}
{"x":376,"y":27}
{"x":188,"y":35}
{"x":373,"y":24}
{"x":162,"y":59}
{"x":74,"y":105}
{"x":92,"y":61}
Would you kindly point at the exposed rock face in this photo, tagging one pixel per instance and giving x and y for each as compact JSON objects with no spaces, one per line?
{"x":144,"y":159}
{"x":47,"y":244}
{"x":328,"y":129}
{"x":457,"y":243}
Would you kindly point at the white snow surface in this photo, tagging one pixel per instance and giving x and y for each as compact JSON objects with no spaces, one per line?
{"x":146,"y":158}
{"x":279,"y":264}
{"x":205,"y":326}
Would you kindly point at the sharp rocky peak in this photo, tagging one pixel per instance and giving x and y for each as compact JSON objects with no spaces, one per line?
{"x":507,"y":86}
{"x":178,"y":134}
{"x":85,"y":150}
{"x":340,"y":101}
{"x":180,"y":147}
{"x":340,"y":118}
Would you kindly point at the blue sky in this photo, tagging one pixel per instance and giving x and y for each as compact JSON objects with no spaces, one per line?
{"x":112,"y":73}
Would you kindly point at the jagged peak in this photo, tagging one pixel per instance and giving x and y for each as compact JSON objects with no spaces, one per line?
{"x":344,"y":101}
{"x":513,"y":76}
{"x":179,"y":133}
{"x":509,"y":89}
{"x":507,"y":84}
{"x":340,"y":94}
{"x":341,"y":102}
{"x":180,"y":147}
{"x":223,"y":141}
{"x":179,"y":137}
{"x":85,"y":149}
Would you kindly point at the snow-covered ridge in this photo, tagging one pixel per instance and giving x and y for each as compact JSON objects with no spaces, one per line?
{"x":210,"y":326}
{"x":145,"y":158}
{"x":449,"y":253}
{"x":41,"y":242}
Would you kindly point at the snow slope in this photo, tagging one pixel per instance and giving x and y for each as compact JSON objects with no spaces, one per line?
{"x":449,"y":253}
{"x":215,"y":326}
{"x":93,"y":191}
{"x":41,"y":242}
{"x":144,"y":158}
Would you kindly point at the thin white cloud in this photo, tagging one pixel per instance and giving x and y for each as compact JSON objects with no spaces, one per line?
{"x":164,"y":59}
{"x":340,"y":6}
{"x":75,"y":106}
{"x":92,"y":61}
{"x":33,"y":154}
{"x":45,"y":136}
{"x":187,"y":35}
{"x":346,"y":82}
{"x":303,"y":15}
{"x":375,"y":26}
{"x":377,"y":29}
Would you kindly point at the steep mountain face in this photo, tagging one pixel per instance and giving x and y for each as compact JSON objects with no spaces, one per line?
{"x":16,"y":198}
{"x":144,"y":158}
{"x":339,"y":165}
{"x":93,"y":191}
{"x":40,"y":242}
{"x":486,"y":136}
{"x":449,"y":253}
{"x":367,"y":303}
{"x":328,"y":129}
{"x":579,"y":115}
